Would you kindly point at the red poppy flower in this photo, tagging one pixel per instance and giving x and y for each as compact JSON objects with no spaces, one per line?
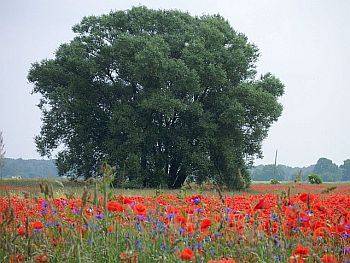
{"x":329,"y":258}
{"x":205,"y":223}
{"x":140,"y":209}
{"x":180,"y":219}
{"x":42,"y":258}
{"x":222,"y":260}
{"x":187,"y":254}
{"x":291,"y":213}
{"x":296,"y":259}
{"x":115,"y":206}
{"x":20,"y":258}
{"x":301,"y":251}
{"x":16,"y":259}
{"x":263,"y":204}
{"x":128,"y":256}
{"x":173,"y":210}
{"x":38,"y":225}
{"x":321,"y":232}
{"x":319,"y":206}
{"x":127,"y":200}
{"x":21,"y":231}
{"x":305,"y":196}
{"x":190,"y":228}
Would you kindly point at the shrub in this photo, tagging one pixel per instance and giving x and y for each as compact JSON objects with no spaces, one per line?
{"x":314,"y":179}
{"x":274,"y":181}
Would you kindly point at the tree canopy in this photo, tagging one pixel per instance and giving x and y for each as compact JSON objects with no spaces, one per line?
{"x":162,"y":95}
{"x":328,"y":170}
{"x":345,"y":167}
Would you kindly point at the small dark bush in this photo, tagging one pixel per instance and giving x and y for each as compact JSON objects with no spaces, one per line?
{"x":274,"y":181}
{"x":314,"y":179}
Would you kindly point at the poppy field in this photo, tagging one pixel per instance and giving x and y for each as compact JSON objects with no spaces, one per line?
{"x":300,"y":223}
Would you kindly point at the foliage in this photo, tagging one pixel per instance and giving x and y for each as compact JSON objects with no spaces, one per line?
{"x":345,"y":168}
{"x":328,"y":190}
{"x":298,"y":177}
{"x":314,"y":178}
{"x":159,"y":94}
{"x":328,"y":170}
{"x":270,"y":171}
{"x":29,"y":168}
{"x":2,"y":154}
{"x":274,"y":181}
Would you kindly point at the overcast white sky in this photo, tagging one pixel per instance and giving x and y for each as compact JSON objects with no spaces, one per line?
{"x":304,"y":43}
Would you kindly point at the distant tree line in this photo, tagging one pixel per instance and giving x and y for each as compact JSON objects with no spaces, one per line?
{"x":325,"y":168}
{"x":2,"y":153}
{"x":28,"y":168}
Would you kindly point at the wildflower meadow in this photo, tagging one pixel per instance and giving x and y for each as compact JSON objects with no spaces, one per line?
{"x":289,"y":223}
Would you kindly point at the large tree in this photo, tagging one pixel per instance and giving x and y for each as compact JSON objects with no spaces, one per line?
{"x":161,"y":94}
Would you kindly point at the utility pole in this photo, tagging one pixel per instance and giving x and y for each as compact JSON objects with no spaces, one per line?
{"x":275,"y":168}
{"x":2,"y":154}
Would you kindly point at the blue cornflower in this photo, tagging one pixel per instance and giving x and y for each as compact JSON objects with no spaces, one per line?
{"x":295,"y":229}
{"x":138,"y":225}
{"x":302,"y":219}
{"x":274,"y":216}
{"x":278,"y":257}
{"x":309,"y":213}
{"x":227,"y":210}
{"x":197,"y":246}
{"x":75,"y":210}
{"x":43,"y":212}
{"x":159,"y":224}
{"x":207,"y":239}
{"x":218,"y":234}
{"x":37,"y":231}
{"x":128,"y":236}
{"x":170,"y":216}
{"x":49,"y":224}
{"x":44,"y":205}
{"x":138,"y":244}
{"x":345,"y":250}
{"x":164,"y":248}
{"x":141,"y":217}
{"x":196,"y":200}
{"x":99,"y":216}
